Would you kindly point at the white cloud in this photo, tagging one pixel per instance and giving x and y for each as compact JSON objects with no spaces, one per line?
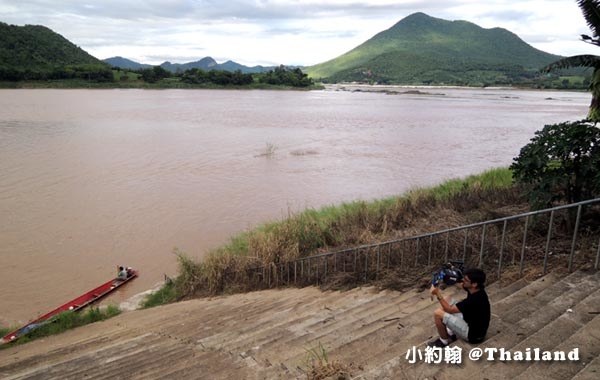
{"x":278,"y":31}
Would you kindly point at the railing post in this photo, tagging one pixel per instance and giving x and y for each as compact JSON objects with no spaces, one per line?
{"x":417,"y":252}
{"x":482,"y":245}
{"x":296,"y":272}
{"x":548,"y":238}
{"x":447,"y":247}
{"x":402,"y":253}
{"x":464,"y":258}
{"x":501,"y":249}
{"x":430,"y":248}
{"x":574,"y":242}
{"x":524,"y":246}
{"x":378,"y":260}
{"x":335,"y":255}
{"x":366,"y":263}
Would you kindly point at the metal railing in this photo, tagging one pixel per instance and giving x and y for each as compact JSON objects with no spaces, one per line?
{"x":492,"y":245}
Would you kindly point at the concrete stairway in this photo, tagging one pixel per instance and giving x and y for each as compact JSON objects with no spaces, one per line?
{"x":268,"y":335}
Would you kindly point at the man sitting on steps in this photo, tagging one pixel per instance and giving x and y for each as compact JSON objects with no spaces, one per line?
{"x":468,"y":319}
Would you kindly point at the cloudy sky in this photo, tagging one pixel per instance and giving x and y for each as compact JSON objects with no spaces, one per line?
{"x":273,"y":32}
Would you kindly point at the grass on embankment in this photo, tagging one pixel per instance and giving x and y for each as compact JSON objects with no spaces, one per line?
{"x":452,"y":203}
{"x":63,"y":322}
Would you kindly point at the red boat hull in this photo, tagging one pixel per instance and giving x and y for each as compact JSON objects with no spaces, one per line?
{"x":73,"y":305}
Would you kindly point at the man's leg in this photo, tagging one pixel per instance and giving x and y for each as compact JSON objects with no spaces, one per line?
{"x":444,"y":322}
{"x":457,"y":324}
{"x":438,"y":317}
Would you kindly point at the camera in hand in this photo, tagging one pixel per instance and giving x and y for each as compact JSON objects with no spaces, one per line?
{"x":449,"y":274}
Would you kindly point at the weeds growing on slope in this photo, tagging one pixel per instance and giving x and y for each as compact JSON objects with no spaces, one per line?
{"x":320,"y":367}
{"x":63,"y":322}
{"x":233,"y":267}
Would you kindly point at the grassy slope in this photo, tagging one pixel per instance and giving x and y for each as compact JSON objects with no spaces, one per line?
{"x":459,"y":201}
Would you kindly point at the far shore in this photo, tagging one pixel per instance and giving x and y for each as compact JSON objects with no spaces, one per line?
{"x":423,"y":89}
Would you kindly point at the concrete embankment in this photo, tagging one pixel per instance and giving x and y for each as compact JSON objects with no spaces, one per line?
{"x":268,"y":335}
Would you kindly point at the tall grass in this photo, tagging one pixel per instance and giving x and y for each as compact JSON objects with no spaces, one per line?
{"x":452,"y":203}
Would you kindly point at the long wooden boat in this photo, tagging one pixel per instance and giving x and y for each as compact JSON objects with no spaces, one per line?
{"x":73,"y":305}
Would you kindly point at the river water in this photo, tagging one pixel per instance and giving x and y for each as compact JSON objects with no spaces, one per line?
{"x":90,"y":179}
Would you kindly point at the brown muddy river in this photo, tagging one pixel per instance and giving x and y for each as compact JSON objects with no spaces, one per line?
{"x":95,"y":178}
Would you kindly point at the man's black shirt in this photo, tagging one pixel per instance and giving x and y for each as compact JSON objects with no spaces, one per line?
{"x":476,"y":312}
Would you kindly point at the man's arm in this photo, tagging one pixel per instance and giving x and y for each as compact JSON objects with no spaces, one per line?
{"x":437,"y":292}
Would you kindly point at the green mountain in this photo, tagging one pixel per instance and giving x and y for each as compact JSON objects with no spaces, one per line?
{"x":36,"y":53}
{"x":35,"y":46}
{"x":421,"y":49}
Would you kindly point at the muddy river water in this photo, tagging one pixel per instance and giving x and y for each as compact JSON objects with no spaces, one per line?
{"x":90,"y":179}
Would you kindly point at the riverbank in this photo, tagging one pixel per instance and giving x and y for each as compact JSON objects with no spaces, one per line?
{"x":425,"y":90}
{"x":230,"y":268}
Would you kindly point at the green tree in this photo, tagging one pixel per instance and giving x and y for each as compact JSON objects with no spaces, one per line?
{"x":154,"y":74}
{"x":561,"y":163}
{"x":591,"y":13}
{"x":283,"y":76}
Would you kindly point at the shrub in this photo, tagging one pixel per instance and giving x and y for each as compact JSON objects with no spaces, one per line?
{"x":561,"y":163}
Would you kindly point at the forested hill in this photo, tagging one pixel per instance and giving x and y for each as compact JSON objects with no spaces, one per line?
{"x":35,"y":46}
{"x":421,"y":49}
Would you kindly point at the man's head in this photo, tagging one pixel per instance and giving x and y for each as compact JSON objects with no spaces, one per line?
{"x":474,"y":278}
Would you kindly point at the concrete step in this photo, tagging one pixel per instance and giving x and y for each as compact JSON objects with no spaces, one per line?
{"x":591,"y":371}
{"x":292,"y":352}
{"x":312,"y":320}
{"x":554,"y":333}
{"x":350,"y":322}
{"x":586,"y":340}
{"x":550,"y":303}
{"x":318,"y":308}
{"x":389,"y":340}
{"x":544,"y":329}
{"x":347,"y":329}
{"x":508,"y":296}
{"x":396,"y":367}
{"x":217,"y":338}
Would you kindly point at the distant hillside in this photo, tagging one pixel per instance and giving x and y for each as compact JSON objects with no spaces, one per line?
{"x":125,"y":63}
{"x":421,"y":50}
{"x":35,"y":46}
{"x":206,"y":63}
{"x":233,"y":66}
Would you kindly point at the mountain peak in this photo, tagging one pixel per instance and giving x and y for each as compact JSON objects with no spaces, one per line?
{"x":38,"y":46}
{"x":420,"y":47}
